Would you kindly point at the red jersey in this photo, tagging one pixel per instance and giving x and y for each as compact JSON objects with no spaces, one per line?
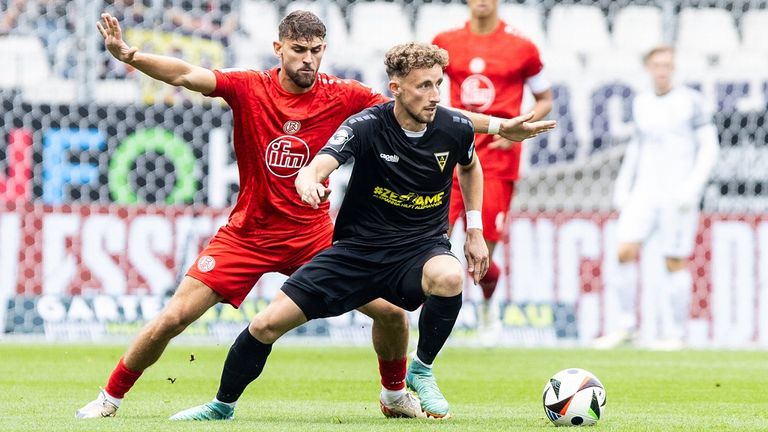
{"x":276,"y":133}
{"x":487,"y":74}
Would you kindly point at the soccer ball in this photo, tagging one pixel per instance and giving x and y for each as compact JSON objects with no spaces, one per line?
{"x":574,"y":397}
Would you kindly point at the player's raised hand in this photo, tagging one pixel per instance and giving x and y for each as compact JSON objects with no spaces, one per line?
{"x":113,"y":39}
{"x":476,"y":252}
{"x":314,"y":194}
{"x":520,"y":128}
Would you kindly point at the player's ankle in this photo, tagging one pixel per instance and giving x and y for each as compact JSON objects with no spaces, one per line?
{"x":228,"y":404}
{"x":111,"y":399}
{"x":390,"y":396}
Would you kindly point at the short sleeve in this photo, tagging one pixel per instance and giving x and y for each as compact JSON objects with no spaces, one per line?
{"x":702,"y":115}
{"x":343,"y":145}
{"x":360,"y":97}
{"x":230,"y":83}
{"x":533,"y":64}
{"x":467,"y":149}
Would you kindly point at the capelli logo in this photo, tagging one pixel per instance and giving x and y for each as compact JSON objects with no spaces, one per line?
{"x":390,"y":158}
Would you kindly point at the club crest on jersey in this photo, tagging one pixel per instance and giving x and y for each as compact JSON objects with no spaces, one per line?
{"x":286,"y":155}
{"x":291,"y":127}
{"x":206,"y":263}
{"x":340,"y":138}
{"x":477,"y":93}
{"x":442,"y":158}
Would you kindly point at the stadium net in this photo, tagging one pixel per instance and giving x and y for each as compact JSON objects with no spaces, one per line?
{"x":111,"y":183}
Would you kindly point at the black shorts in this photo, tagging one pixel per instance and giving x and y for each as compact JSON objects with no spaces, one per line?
{"x":347,"y":276}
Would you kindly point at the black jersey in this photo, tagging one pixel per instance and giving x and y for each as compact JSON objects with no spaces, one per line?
{"x":399,"y":189}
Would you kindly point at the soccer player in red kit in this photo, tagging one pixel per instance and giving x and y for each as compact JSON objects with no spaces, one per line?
{"x":282,"y":118}
{"x":490,"y":65}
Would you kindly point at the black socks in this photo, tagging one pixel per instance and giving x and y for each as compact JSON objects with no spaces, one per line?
{"x":438,"y":315}
{"x":244,"y":364}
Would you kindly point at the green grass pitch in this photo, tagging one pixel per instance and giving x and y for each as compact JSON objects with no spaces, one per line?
{"x":336,"y":389}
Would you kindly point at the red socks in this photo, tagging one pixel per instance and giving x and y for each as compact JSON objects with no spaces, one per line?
{"x":489,"y":281}
{"x":121,"y":380}
{"x":392,"y":373}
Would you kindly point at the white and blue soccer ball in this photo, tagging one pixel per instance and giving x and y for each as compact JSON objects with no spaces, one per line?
{"x":574,"y":397}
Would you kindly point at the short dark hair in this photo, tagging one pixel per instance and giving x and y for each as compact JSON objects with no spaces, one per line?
{"x":301,"y":25}
{"x":401,"y":59}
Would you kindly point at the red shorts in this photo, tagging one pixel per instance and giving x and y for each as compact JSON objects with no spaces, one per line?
{"x":232,"y":264}
{"x":497,"y":196}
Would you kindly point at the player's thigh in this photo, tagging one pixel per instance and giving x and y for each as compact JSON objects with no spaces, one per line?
{"x":422,"y":272}
{"x":232,"y":263}
{"x":677,"y":231}
{"x":334,"y":282}
{"x":636,"y":222}
{"x":497,"y":196}
{"x":190,"y":301}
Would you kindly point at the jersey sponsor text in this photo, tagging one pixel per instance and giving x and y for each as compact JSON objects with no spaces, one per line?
{"x":286,"y":155}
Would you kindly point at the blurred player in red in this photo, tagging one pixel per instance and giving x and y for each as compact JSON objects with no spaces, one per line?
{"x":282,"y":118}
{"x":490,"y":65}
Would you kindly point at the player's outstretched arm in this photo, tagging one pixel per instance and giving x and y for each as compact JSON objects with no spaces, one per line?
{"x":309,"y":180}
{"x":475,"y":249}
{"x":167,"y":69}
{"x":514,"y":129}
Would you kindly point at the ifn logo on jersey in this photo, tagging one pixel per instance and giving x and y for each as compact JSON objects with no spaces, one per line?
{"x":286,"y":155}
{"x":477,"y":90}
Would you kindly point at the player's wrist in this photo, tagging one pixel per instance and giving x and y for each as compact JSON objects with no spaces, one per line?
{"x":474,"y":220}
{"x":494,"y":125}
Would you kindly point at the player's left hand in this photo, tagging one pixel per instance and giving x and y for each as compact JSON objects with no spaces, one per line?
{"x":476,"y":252}
{"x":520,"y":128}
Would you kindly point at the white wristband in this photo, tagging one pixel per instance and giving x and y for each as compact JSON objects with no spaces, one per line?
{"x":474,"y":220}
{"x":494,"y":125}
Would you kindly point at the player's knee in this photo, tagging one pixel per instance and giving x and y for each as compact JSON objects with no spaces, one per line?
{"x":169,"y":324}
{"x":264,"y":330}
{"x":446,"y":283}
{"x":392,"y":317}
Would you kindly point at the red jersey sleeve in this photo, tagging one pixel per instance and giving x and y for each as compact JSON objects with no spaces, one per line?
{"x":230,"y":83}
{"x":360,"y":97}
{"x":533,"y":64}
{"x":438,"y":40}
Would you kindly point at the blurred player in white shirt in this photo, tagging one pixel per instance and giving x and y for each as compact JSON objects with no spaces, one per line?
{"x":658,"y":191}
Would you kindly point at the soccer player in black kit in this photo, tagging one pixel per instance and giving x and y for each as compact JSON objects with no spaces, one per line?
{"x":390,"y":237}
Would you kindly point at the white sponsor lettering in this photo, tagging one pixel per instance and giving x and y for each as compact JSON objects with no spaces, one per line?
{"x":104,"y":236}
{"x":222,"y":169}
{"x":149,"y":239}
{"x":59,"y":265}
{"x":390,"y":158}
{"x":285,"y":155}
